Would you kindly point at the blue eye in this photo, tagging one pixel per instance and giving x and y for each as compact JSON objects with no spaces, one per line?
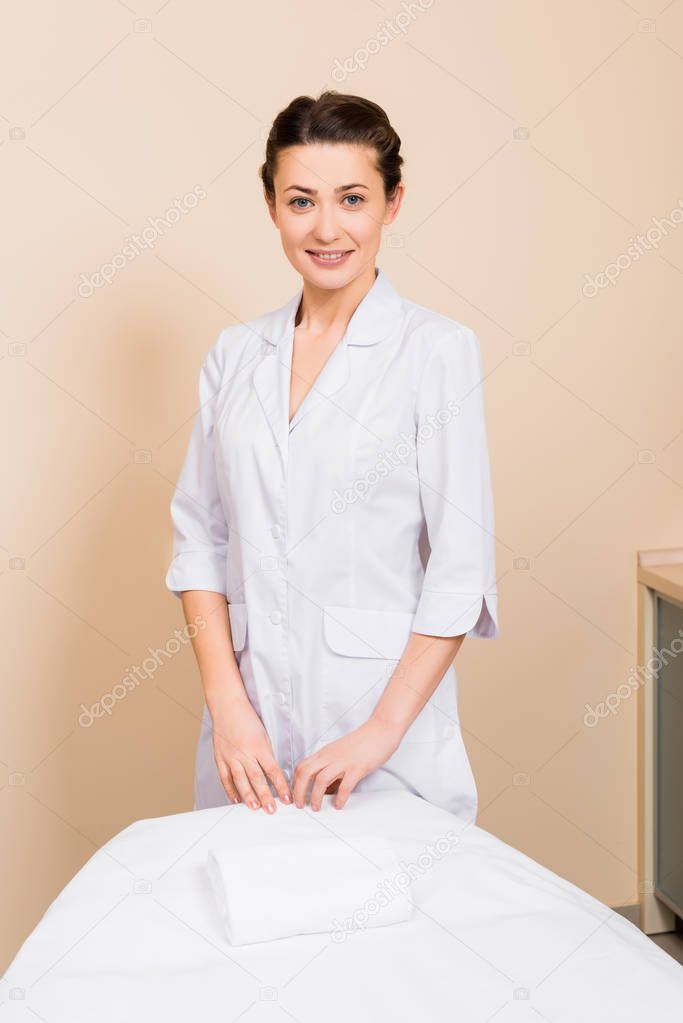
{"x":360,"y":199}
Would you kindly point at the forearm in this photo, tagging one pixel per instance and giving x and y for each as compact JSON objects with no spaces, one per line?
{"x":212,"y":645}
{"x":423,"y":664}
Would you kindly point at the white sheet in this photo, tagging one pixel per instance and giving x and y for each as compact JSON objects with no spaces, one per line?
{"x":310,"y":884}
{"x":136,"y":935}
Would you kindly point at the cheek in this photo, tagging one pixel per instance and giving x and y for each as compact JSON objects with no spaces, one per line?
{"x":366,"y":229}
{"x":293,"y":245}
{"x":292,"y":228}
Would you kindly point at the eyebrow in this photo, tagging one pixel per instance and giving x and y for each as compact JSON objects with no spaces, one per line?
{"x":314,"y":191}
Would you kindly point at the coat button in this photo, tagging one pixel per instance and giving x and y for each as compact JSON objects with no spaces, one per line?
{"x":275,"y":617}
{"x":275,"y":531}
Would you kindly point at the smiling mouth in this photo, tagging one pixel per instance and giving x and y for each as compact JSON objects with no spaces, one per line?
{"x":330,"y":254}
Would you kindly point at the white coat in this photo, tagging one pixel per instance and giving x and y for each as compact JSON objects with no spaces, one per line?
{"x":335,"y":536}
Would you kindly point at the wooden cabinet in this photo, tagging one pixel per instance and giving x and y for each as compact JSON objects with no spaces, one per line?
{"x":660,"y":738}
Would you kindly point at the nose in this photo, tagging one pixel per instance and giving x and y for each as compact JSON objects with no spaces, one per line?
{"x":326,"y":230}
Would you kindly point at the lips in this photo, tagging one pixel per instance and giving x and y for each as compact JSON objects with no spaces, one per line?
{"x":329,"y":255}
{"x":328,"y":252}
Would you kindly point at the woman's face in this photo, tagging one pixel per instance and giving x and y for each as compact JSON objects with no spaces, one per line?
{"x":329,"y":198}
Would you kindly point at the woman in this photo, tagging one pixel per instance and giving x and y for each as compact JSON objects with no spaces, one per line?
{"x":333,"y":519}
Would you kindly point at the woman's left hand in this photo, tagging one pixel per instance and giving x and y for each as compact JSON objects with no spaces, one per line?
{"x":340,"y":765}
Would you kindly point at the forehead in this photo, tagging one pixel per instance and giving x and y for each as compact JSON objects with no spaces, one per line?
{"x":326,"y":166}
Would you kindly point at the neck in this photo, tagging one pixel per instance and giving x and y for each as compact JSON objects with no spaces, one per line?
{"x":325,"y":309}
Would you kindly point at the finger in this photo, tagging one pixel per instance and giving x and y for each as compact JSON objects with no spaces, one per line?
{"x":261,"y":786}
{"x":279,"y":781}
{"x":303,"y":773}
{"x":347,"y":786}
{"x":243,"y":785}
{"x":322,"y":780}
{"x":225,"y":775}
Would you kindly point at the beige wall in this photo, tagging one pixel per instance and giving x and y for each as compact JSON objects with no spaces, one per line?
{"x":539,"y":140}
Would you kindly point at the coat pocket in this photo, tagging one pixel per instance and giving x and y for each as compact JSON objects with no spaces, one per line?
{"x":367,"y":641}
{"x":365,"y":632}
{"x":238,"y":625}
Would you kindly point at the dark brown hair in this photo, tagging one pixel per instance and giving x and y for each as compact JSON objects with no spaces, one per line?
{"x":334,"y":117}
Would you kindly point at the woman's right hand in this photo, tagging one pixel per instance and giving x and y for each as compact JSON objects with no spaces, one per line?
{"x":244,"y":756}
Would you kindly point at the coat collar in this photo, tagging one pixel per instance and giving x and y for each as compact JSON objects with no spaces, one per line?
{"x":375,"y":317}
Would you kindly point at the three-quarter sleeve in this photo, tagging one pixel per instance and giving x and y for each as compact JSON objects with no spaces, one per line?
{"x":200,"y":530}
{"x":459,"y":594}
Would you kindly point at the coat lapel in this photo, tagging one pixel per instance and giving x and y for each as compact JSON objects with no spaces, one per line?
{"x":377,"y":315}
{"x":271,"y":377}
{"x":331,"y":379}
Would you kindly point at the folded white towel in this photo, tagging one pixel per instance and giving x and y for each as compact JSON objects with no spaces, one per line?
{"x":309,"y":885}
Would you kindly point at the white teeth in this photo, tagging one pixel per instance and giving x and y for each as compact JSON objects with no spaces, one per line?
{"x":329,"y":255}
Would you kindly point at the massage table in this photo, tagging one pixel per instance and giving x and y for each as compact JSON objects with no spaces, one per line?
{"x":493,"y":935}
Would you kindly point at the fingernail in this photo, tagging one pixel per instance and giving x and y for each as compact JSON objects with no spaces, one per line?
{"x":235,"y":800}
{"x":254,"y":804}
{"x":286,"y":799}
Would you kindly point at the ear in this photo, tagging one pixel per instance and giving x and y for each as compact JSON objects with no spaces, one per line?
{"x":271,"y":208}
{"x":393,"y":204}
